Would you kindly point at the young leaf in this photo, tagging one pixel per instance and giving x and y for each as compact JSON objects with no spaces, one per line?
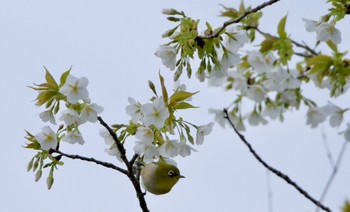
{"x":50,"y":80}
{"x":183,"y":105}
{"x":282,"y":26}
{"x":189,"y":136}
{"x":332,"y":46}
{"x":164,"y":91}
{"x":152,"y":87}
{"x":180,"y":96}
{"x":64,"y":77}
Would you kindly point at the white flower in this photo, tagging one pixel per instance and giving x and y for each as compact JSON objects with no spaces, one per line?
{"x":155,"y":113}
{"x":169,"y":148}
{"x":219,"y":116}
{"x":255,"y":119}
{"x":168,"y":56}
{"x":272,"y":111}
{"x":256,"y":93}
{"x":75,"y":89}
{"x":202,"y":131}
{"x":89,"y":113}
{"x":217,"y":77}
{"x":70,"y":117}
{"x":240,"y":82}
{"x":47,"y":138}
{"x":310,"y":25}
{"x":324,"y":31}
{"x":106,"y":136}
{"x":134,"y":110}
{"x":336,"y":114}
{"x":184,"y":149}
{"x":74,"y":137}
{"x":289,"y":96}
{"x":228,"y":60}
{"x":237,"y":121}
{"x":280,"y":80}
{"x":261,"y":63}
{"x":346,"y":132}
{"x":144,"y":134}
{"x":315,"y":116}
{"x":233,"y":45}
{"x":336,"y":119}
{"x":47,"y":116}
{"x":113,"y":151}
{"x":147,"y":150}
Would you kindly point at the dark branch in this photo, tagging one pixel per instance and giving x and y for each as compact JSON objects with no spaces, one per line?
{"x":133,"y":159}
{"x":273,"y":170}
{"x":236,"y":20}
{"x":93,"y":160}
{"x":130,"y":172}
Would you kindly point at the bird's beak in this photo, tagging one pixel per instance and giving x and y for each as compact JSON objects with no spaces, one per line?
{"x":182,"y":176}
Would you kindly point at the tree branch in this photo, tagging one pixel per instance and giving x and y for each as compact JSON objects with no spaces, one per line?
{"x":273,"y":170}
{"x":93,"y":160}
{"x":236,"y":20}
{"x":130,"y":172}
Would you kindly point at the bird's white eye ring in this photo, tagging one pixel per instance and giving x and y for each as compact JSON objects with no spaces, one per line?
{"x":171,"y":173}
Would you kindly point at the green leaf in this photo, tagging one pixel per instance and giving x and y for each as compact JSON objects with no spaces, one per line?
{"x":319,"y":59}
{"x":169,"y":33}
{"x":38,"y":175}
{"x":50,"y":80}
{"x":164,"y":91}
{"x":189,"y":136}
{"x":36,"y":163}
{"x":173,"y":19}
{"x":172,"y":11}
{"x":183,"y":105}
{"x":189,"y":70}
{"x":332,"y":46}
{"x":178,"y":73}
{"x":64,"y":77}
{"x":282,"y":26}
{"x":267,"y":44}
{"x":152,"y":87}
{"x":30,"y":164}
{"x":180,"y":96}
{"x":50,"y":179}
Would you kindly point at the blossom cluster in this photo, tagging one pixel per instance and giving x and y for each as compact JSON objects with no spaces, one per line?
{"x":262,"y":76}
{"x":154,"y":126}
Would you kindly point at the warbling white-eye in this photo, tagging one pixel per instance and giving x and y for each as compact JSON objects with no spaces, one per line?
{"x":159,"y":177}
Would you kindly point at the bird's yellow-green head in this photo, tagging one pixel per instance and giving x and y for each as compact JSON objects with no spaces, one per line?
{"x":159,"y":177}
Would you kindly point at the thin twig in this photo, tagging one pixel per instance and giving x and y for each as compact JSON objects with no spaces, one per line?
{"x":130,"y":172}
{"x":326,"y":146}
{"x":334,"y":172}
{"x":93,"y":160}
{"x":269,"y":191}
{"x":273,"y":170}
{"x":303,"y":46}
{"x":236,"y":20}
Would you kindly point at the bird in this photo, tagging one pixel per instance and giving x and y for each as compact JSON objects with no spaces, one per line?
{"x":159,"y":177}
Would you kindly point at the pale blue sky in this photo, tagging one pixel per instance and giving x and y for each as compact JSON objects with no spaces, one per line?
{"x":112,"y":43}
